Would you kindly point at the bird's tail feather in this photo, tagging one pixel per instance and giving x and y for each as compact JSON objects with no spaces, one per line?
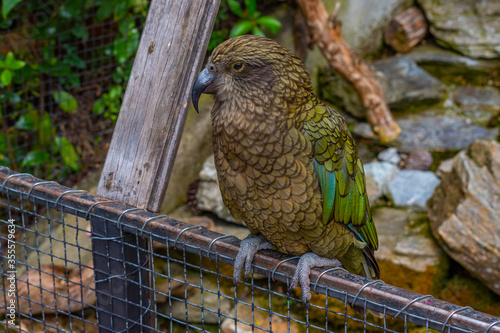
{"x":370,"y":265}
{"x":372,"y":271}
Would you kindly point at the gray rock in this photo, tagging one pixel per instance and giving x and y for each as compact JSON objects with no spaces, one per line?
{"x":209,"y":302}
{"x":390,"y":155}
{"x":444,"y":167}
{"x":72,"y":232}
{"x":412,"y":188}
{"x":208,"y":195}
{"x":333,"y":88}
{"x":208,"y":171}
{"x":478,"y":103}
{"x":464,"y":211}
{"x":435,"y":58}
{"x":76,"y":248}
{"x":402,"y":243}
{"x":404,"y":83}
{"x":433,"y":130}
{"x":373,"y":190}
{"x":470,"y":27}
{"x":418,"y":160}
{"x":363,"y":21}
{"x":381,"y":173}
{"x":248,"y":319}
{"x":487,"y":97}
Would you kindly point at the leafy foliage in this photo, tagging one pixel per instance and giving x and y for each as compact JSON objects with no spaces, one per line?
{"x":7,"y":6}
{"x":251,"y":20}
{"x":65,"y":100}
{"x":31,"y":138}
{"x":248,"y":20}
{"x":8,"y":66}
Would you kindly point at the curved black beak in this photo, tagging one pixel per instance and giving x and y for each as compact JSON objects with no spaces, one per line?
{"x":200,"y":86}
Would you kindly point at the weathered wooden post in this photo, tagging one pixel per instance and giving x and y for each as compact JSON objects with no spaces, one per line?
{"x":142,"y":152}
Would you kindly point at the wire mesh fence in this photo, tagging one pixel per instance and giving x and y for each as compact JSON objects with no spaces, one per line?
{"x":75,"y":262}
{"x":72,"y":61}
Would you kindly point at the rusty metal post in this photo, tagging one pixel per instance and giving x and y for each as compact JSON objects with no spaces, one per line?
{"x":120,"y":277}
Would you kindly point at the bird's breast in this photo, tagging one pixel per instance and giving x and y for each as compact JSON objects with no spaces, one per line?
{"x":268,"y":180}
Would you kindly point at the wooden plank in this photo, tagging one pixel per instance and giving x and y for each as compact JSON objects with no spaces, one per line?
{"x":147,"y":133}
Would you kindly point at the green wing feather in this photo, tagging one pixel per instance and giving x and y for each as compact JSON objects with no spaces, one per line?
{"x":340,"y":173}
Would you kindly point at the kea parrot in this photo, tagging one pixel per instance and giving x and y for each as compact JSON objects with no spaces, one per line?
{"x":286,"y":162}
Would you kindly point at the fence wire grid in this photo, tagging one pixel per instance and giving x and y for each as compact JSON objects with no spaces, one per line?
{"x":76,"y":57}
{"x":75,"y":262}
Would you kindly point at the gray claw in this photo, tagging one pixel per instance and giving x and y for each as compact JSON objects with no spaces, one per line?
{"x":248,"y":248}
{"x":304,"y":266}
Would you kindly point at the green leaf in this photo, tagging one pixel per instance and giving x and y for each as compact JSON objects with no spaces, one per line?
{"x":105,"y":10}
{"x":99,"y":106}
{"x":7,"y":6}
{"x":256,"y":31}
{"x":115,"y":92}
{"x":270,"y":23}
{"x":6,"y":77}
{"x":3,"y":143}
{"x":126,"y":25}
{"x":13,"y":98}
{"x":46,"y":129}
{"x":120,"y":9}
{"x":55,"y":68}
{"x":17,"y":64}
{"x":126,"y":47}
{"x":217,"y":37}
{"x":251,"y":6}
{"x":253,"y":16}
{"x":140,"y":6}
{"x":80,"y":30}
{"x":11,"y":62}
{"x":235,"y":7}
{"x":6,"y":24}
{"x":9,"y":59}
{"x":35,"y":157}
{"x":4,"y":151}
{"x":28,"y":121}
{"x":71,"y":9}
{"x":72,"y":59}
{"x":240,"y":28}
{"x":65,"y":100}
{"x":122,"y":72}
{"x":69,"y":155}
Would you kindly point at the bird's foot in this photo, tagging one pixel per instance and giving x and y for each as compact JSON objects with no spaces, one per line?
{"x":304,"y":266}
{"x":248,"y":248}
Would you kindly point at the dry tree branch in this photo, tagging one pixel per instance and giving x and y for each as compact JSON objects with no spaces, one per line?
{"x":327,"y":34}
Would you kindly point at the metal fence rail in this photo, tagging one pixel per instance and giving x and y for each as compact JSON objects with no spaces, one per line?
{"x":63,"y":276}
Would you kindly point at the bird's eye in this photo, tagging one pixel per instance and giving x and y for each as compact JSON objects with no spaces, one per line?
{"x":238,"y":66}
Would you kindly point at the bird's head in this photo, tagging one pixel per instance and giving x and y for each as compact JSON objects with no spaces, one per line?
{"x":253,"y":68}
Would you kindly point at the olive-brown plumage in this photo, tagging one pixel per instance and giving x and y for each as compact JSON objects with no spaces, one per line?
{"x":287,"y":163}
